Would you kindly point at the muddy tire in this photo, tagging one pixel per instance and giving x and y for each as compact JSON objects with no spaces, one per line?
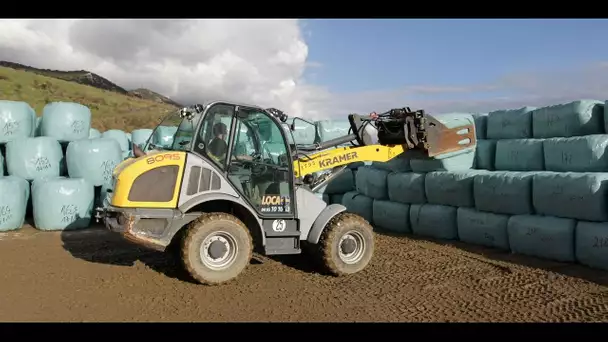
{"x":346,"y":245}
{"x":216,"y":248}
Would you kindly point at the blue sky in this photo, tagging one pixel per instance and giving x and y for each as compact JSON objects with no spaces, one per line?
{"x":460,"y":59}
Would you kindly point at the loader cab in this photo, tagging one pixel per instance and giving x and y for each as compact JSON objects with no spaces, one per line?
{"x":248,"y":145}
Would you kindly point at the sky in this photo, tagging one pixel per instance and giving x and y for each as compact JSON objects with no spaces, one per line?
{"x":330,"y":68}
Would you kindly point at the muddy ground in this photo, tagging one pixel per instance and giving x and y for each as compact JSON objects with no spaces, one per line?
{"x":92,"y":275}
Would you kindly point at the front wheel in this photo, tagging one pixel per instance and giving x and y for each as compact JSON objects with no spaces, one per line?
{"x":346,"y":245}
{"x":216,"y":248}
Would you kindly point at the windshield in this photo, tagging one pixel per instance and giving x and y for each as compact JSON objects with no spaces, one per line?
{"x":174,"y":133}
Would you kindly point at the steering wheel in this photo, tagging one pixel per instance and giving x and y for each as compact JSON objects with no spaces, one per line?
{"x":256,"y":168}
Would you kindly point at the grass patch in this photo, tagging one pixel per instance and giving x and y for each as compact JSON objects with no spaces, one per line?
{"x":110,"y":110}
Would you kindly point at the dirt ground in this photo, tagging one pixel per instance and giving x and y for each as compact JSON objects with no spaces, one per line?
{"x":93,"y":275}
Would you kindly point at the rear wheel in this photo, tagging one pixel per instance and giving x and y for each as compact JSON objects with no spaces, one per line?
{"x":216,"y":248}
{"x":346,"y":245}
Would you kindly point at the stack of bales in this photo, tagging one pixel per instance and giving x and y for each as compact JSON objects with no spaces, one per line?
{"x":539,"y":189}
{"x":56,"y":166}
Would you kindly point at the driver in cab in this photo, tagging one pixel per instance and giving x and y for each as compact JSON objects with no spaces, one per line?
{"x":218,"y":147}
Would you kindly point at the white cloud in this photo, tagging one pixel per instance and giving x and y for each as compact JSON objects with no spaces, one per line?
{"x":252,"y":61}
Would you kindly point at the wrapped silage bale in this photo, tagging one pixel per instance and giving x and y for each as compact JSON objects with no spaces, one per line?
{"x":342,"y":183}
{"x":453,"y":161}
{"x":93,"y":159}
{"x":510,"y":124}
{"x":121,"y":138}
{"x":304,"y":133}
{"x":2,"y":164}
{"x":519,"y":155}
{"x":359,"y":204}
{"x":66,"y":121}
{"x":432,"y":220}
{"x":392,"y":216}
{"x":542,"y":236}
{"x":62,"y":203}
{"x":485,"y":154}
{"x":372,"y":182}
{"x":94,"y":133}
{"x":504,"y":192}
{"x":332,"y":129}
{"x":163,"y":136}
{"x":578,"y":118}
{"x":481,"y":125}
{"x":401,"y":163}
{"x":481,"y":228}
{"x":32,"y":158}
{"x":582,"y":196}
{"x":406,"y":188}
{"x":591,"y":244}
{"x":16,"y":120}
{"x":336,"y":198}
{"x":451,"y":188}
{"x":578,"y":154}
{"x":459,"y":162}
{"x":14,"y":196}
{"x":139,"y":137}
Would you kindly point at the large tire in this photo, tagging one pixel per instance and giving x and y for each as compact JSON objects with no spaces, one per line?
{"x":327,"y":252}
{"x":200,"y":245}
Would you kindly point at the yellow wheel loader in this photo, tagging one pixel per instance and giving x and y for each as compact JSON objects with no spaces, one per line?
{"x":234,"y":181}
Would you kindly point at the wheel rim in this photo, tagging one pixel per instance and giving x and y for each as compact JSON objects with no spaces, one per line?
{"x":359,"y":247}
{"x":209,"y":251}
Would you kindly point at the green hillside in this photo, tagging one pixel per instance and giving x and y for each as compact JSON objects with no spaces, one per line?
{"x":111,"y":110}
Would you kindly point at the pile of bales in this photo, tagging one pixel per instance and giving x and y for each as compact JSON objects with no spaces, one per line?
{"x":55,"y":166}
{"x":536,"y":184}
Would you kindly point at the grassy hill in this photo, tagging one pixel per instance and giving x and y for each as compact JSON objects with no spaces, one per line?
{"x":112,"y":109}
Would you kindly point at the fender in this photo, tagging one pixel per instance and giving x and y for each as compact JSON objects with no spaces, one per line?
{"x":218,"y":196}
{"x":324,"y":217}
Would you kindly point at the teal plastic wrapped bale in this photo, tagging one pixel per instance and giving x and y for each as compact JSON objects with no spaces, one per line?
{"x":139,"y":137}
{"x":304,"y":133}
{"x":119,"y":136}
{"x":406,"y":188}
{"x":94,"y":133}
{"x":460,"y":162}
{"x":453,"y":188}
{"x":401,"y":163}
{"x":591,"y":244}
{"x":520,"y":155}
{"x":93,"y":159}
{"x":332,"y":129}
{"x":481,"y":228}
{"x":582,"y":196}
{"x":336,"y":198}
{"x":66,"y":121}
{"x":577,"y":154}
{"x":578,"y":118}
{"x":163,"y":136}
{"x":504,"y":192}
{"x":392,"y":216}
{"x":485,"y":154}
{"x":14,"y":196}
{"x":342,"y":183}
{"x":510,"y":124}
{"x":62,"y":203}
{"x":432,"y":220}
{"x":372,"y":182}
{"x":481,"y":125}
{"x":16,"y":120}
{"x":545,"y":237}
{"x":32,"y":158}
{"x":359,"y":204}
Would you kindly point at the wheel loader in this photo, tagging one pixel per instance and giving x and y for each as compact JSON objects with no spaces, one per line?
{"x":234,"y":182}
